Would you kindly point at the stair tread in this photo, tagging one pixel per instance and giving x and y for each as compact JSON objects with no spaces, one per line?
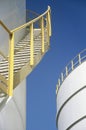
{"x":22,"y":56}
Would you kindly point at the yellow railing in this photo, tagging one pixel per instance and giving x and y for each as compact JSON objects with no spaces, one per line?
{"x":30,"y":24}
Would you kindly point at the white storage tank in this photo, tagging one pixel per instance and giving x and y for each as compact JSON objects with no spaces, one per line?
{"x":71,"y":95}
{"x":12,"y":112}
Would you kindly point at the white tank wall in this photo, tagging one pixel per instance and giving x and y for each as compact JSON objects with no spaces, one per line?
{"x":75,"y":107}
{"x":13,"y":14}
{"x":12,"y":116}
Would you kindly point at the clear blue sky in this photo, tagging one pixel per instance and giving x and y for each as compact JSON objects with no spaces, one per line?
{"x":68,"y":39}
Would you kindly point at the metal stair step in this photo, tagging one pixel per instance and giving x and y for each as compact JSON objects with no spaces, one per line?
{"x":22,"y":56}
{"x":20,"y":61}
{"x":5,"y":68}
{"x":27,"y":51}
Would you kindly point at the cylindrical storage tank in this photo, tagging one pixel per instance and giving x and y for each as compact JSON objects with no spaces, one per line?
{"x":71,"y":95}
{"x":12,"y":112}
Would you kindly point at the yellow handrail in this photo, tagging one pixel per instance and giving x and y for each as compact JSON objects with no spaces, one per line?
{"x":11,"y":65}
{"x":11,"y":33}
{"x":32,"y":21}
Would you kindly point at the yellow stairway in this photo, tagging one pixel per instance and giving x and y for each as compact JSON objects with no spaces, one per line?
{"x":25,"y":54}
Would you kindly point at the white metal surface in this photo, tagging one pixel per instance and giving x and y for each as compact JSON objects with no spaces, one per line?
{"x":75,"y":62}
{"x":13,"y":14}
{"x":71,"y":100}
{"x":13,"y":113}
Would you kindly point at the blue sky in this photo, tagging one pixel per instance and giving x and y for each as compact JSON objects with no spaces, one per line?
{"x":68,"y":39}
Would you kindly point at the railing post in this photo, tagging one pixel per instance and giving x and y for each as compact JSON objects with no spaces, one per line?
{"x":11,"y":64}
{"x":72,"y":65}
{"x":47,"y":27}
{"x":62,"y":77}
{"x":31,"y":45}
{"x":57,"y":89}
{"x":59,"y":83}
{"x":66,"y":71}
{"x":79,"y":59}
{"x":42,"y":33}
{"x":49,"y":20}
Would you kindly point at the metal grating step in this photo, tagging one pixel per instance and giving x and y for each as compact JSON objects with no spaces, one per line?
{"x":23,"y":56}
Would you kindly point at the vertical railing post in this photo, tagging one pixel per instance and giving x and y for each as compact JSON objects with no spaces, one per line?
{"x":59,"y":83}
{"x":62,"y":78}
{"x":11,"y":64}
{"x":79,"y":59}
{"x":72,"y":65}
{"x":31,"y":45}
{"x":47,"y":27}
{"x":42,"y":33}
{"x":66,"y":71}
{"x":57,"y":89}
{"x":49,"y":20}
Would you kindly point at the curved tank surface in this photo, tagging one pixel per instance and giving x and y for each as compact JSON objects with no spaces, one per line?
{"x":22,"y":46}
{"x":71,"y":95}
{"x":13,"y":112}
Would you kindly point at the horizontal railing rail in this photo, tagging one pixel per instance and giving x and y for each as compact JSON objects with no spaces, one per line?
{"x":30,"y":15}
{"x":41,"y":18}
{"x":75,"y":62}
{"x":32,"y":21}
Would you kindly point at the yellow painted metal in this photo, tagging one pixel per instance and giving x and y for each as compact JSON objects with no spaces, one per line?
{"x":49,"y":21}
{"x":11,"y":65}
{"x":10,"y":82}
{"x":31,"y":46}
{"x":42,"y":33}
{"x":32,"y":21}
{"x":47,"y":27}
{"x":48,"y":24}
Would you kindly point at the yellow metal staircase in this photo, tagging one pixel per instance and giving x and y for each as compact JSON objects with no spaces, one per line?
{"x":25,"y":54}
